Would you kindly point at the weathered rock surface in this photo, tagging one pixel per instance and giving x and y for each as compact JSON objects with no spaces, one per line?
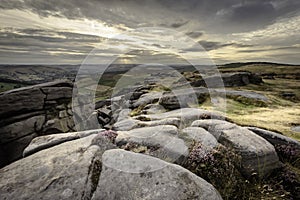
{"x":228,"y":80}
{"x":201,"y":135}
{"x":31,"y":111}
{"x":258,"y":155}
{"x":81,"y":165}
{"x":191,"y":97}
{"x":183,"y":98}
{"x":275,"y":138}
{"x":159,"y":141}
{"x":47,"y":141}
{"x":154,"y":109}
{"x":151,"y":97}
{"x":66,"y":171}
{"x":126,"y":175}
{"x":129,"y":124}
{"x":186,"y":115}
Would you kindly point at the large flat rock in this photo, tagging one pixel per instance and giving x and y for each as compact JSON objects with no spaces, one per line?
{"x":127,"y":175}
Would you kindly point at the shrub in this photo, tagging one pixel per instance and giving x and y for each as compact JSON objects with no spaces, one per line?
{"x":220,"y":167}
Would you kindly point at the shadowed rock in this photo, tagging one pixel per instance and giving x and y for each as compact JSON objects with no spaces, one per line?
{"x":31,"y":111}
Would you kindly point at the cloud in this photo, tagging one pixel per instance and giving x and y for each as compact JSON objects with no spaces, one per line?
{"x":295,"y":48}
{"x":75,"y":26}
{"x":178,"y":24}
{"x":225,"y":16}
{"x":195,"y":34}
{"x":211,"y":45}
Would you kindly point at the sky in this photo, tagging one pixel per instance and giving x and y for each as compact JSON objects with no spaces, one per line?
{"x":153,"y":31}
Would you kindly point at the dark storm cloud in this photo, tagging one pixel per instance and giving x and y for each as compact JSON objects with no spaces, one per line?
{"x":195,"y":34}
{"x":236,"y":11}
{"x":178,"y":24}
{"x":219,"y":15}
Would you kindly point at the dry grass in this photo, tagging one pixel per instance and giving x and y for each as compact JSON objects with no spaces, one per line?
{"x":277,"y":119}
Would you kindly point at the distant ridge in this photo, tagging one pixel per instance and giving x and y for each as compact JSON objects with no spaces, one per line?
{"x":240,"y":64}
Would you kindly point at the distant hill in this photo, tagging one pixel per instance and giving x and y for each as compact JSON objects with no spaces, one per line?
{"x":240,"y":64}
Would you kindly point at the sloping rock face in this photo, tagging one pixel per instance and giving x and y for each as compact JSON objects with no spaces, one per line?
{"x":124,"y":177}
{"x":275,"y":138}
{"x":287,"y":148}
{"x":65,"y":171}
{"x":32,"y":111}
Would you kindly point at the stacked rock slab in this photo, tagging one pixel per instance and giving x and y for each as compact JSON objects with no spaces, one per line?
{"x":32,"y":111}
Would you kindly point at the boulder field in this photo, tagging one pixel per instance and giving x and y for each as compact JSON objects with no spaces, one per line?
{"x":150,"y":147}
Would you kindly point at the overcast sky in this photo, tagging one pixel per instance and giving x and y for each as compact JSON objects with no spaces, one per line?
{"x":48,"y":31}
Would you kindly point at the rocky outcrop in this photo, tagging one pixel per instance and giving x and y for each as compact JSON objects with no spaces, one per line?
{"x":156,"y":146}
{"x":183,"y":98}
{"x":228,"y":80}
{"x":32,"y":111}
{"x":86,"y":168}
